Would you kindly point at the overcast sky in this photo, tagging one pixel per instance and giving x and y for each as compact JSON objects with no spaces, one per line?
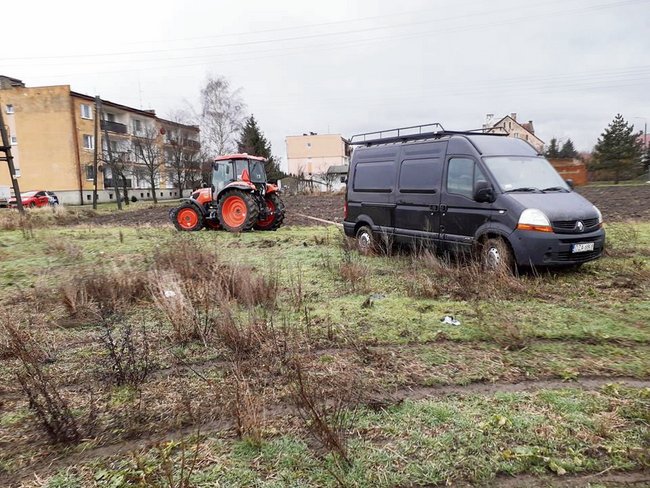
{"x":345,"y":66}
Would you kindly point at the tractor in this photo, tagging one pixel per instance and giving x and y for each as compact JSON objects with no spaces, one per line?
{"x":238,"y":200}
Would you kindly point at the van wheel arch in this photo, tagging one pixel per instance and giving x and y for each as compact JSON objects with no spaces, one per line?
{"x":508,"y":254}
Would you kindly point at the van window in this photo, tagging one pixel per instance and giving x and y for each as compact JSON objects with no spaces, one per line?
{"x":379,"y":176}
{"x":420,"y":175}
{"x":462,"y":174}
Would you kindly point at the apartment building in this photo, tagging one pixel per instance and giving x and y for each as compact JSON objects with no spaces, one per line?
{"x":513,"y":128}
{"x":311,"y":155}
{"x":52,"y":133}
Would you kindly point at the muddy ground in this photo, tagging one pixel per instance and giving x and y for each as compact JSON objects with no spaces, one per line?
{"x":616,"y":202}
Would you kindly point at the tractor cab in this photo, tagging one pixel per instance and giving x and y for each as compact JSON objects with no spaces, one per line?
{"x":237,"y":167}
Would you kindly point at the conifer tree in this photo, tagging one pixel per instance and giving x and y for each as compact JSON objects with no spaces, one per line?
{"x":553,"y":151}
{"x":253,"y":142}
{"x":619,"y":149}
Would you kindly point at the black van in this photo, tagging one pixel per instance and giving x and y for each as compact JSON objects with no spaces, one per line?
{"x":468,"y":191}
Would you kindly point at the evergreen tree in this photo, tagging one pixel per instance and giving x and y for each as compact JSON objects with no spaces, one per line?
{"x":253,"y":142}
{"x":568,"y":150}
{"x":553,"y":151}
{"x":619,"y":149}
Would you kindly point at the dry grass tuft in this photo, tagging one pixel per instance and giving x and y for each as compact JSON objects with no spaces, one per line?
{"x":103,"y":292}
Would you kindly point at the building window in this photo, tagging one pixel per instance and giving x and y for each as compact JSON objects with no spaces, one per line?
{"x":10,"y":108}
{"x":89,"y":141}
{"x":90,"y":172}
{"x":110,"y":117}
{"x":137,"y":126}
{"x":14,"y":141}
{"x":88,"y":197}
{"x":86,"y":111}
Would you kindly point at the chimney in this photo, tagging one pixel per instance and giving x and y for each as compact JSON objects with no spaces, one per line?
{"x":513,"y":116}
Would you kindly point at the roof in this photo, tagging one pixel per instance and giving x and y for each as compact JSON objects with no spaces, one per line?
{"x":338,"y":169}
{"x":238,"y":156}
{"x":146,"y":113}
{"x":178,"y":124}
{"x":527,"y":126}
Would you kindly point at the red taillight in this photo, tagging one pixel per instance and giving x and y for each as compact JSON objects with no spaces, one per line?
{"x":345,"y":210}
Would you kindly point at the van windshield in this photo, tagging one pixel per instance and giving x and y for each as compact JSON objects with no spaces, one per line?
{"x":525,"y":173}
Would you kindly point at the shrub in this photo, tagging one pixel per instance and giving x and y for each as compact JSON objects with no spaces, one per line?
{"x":45,"y":401}
{"x":127,"y":359}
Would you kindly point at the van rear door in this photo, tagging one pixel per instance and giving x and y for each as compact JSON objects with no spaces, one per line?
{"x":419,"y":182}
{"x":460,"y":214}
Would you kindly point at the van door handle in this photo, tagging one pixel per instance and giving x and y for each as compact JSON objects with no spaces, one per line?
{"x":433,"y":208}
{"x":443,"y":208}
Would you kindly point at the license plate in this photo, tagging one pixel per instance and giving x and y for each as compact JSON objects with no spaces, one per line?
{"x":582,"y":247}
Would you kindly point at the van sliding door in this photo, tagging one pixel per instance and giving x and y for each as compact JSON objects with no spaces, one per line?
{"x":417,"y":210}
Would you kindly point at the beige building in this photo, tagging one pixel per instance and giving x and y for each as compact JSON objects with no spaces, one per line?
{"x":524,"y":130}
{"x":51,"y":129}
{"x":311,"y":155}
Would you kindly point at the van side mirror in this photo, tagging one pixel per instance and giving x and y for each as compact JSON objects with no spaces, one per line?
{"x":570,"y":183}
{"x":483,"y":192}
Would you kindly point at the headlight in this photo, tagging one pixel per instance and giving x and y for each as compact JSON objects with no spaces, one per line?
{"x":534,"y":219}
{"x":600,"y":216}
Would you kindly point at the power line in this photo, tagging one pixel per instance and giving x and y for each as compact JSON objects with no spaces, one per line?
{"x":319,"y":35}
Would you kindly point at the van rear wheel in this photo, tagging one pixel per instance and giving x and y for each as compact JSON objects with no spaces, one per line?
{"x":497,"y":256}
{"x":366,"y":240}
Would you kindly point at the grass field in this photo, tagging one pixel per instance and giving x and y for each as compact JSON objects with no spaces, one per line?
{"x":138,"y":356}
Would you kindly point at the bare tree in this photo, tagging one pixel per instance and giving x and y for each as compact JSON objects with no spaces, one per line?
{"x":148,"y":156}
{"x":222,"y":115}
{"x":183,"y":154}
{"x":120,"y":165}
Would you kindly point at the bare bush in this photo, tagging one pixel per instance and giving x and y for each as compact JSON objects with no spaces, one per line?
{"x":127,"y":359}
{"x":326,"y":409}
{"x":44,"y":398}
{"x":246,"y":407}
{"x":173,"y":464}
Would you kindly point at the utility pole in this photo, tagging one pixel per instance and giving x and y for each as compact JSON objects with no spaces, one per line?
{"x":6,"y":149}
{"x":98,"y":111}
{"x":116,"y":184}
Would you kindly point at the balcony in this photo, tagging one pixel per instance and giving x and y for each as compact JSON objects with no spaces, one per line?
{"x":193,"y":144}
{"x":113,"y":126}
{"x":108,"y":183}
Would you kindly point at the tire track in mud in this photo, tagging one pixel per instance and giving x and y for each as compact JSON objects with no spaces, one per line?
{"x":198,"y":366}
{"x":375,"y":400}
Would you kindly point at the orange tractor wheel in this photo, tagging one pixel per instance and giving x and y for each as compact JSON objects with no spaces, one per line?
{"x":237,"y":211}
{"x":275,"y":207}
{"x":187,"y":217}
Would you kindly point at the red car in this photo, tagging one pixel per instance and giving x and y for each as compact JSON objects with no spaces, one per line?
{"x":33,"y":199}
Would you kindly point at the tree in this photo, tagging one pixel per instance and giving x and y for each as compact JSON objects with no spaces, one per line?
{"x":568,"y":150}
{"x":553,"y":150}
{"x":619,"y":149}
{"x":182,"y":153}
{"x":252,"y":141}
{"x":148,"y":156}
{"x":222,"y":115}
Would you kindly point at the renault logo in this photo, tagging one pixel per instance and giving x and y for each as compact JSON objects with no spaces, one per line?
{"x":580,"y":226}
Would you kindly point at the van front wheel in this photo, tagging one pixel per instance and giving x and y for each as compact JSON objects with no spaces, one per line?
{"x":365,"y":240}
{"x":496,"y":255}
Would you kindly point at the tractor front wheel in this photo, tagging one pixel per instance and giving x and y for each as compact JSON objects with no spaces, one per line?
{"x":237,"y":211}
{"x":275,"y":212}
{"x":188,"y":218}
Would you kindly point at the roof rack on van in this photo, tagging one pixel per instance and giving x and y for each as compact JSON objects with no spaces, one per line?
{"x":416,"y":132}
